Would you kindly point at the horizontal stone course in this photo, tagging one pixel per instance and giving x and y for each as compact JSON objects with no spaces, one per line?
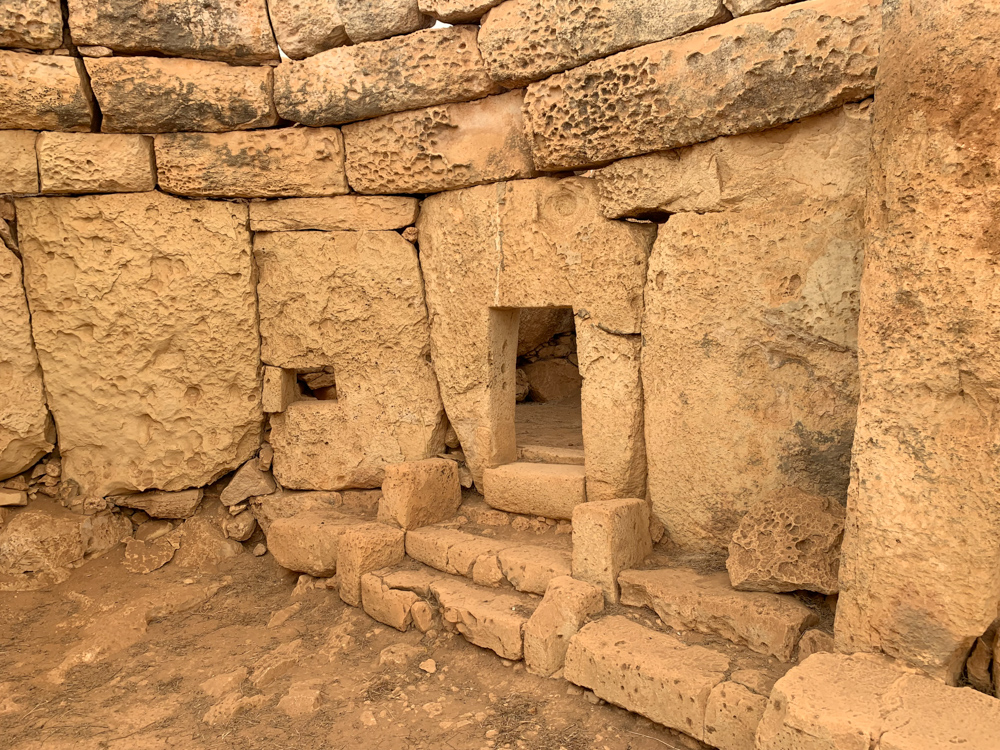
{"x":43,"y":92}
{"x":355,"y":213}
{"x":95,"y":163}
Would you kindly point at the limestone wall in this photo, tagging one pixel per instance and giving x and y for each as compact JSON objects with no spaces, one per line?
{"x":304,"y":229}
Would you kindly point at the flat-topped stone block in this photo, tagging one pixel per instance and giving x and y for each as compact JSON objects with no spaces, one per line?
{"x":95,"y":163}
{"x":44,"y":92}
{"x":550,"y":490}
{"x":419,"y":493}
{"x":364,"y":548}
{"x":609,"y":536}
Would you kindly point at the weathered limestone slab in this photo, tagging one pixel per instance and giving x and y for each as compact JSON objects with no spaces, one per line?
{"x":363,"y":549}
{"x":420,"y":493}
{"x":527,"y":40}
{"x":95,"y":163}
{"x":645,"y":671}
{"x":307,"y":27}
{"x":720,"y":81}
{"x":385,"y":604}
{"x":31,"y":24}
{"x":531,"y":567}
{"x":145,"y":319}
{"x":609,"y":536}
{"x":550,"y":490}
{"x":685,"y":600}
{"x":456,"y":11}
{"x":365,"y":21}
{"x":181,"y":504}
{"x":342,"y":213}
{"x":820,"y":157}
{"x":537,"y":243}
{"x":228,"y":30}
{"x":258,"y":164}
{"x":486,"y":618}
{"x":309,"y":542}
{"x":746,"y":7}
{"x":750,"y":329}
{"x":431,"y":545}
{"x":341,"y":85}
{"x":868,"y":702}
{"x":354,"y":301}
{"x":163,"y":95}
{"x":920,"y":573}
{"x":18,"y":163}
{"x":283,"y":504}
{"x":26,"y":429}
{"x":564,"y":609}
{"x":732,"y":715}
{"x":440,"y":148}
{"x":248,"y":481}
{"x":43,"y":92}
{"x":787,"y":544}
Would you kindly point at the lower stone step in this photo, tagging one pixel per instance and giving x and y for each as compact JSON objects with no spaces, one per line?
{"x":550,"y":490}
{"x":689,"y":688}
{"x":683,"y":599}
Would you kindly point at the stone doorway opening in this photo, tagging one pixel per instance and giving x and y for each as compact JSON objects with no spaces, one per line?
{"x":548,"y":414}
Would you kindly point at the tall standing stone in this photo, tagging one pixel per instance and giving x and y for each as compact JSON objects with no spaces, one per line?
{"x":920,"y":577}
{"x":145,"y":320}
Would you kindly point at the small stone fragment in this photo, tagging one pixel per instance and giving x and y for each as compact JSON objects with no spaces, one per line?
{"x":420,"y":493}
{"x":222,"y":684}
{"x":276,"y":664}
{"x":240,"y":527}
{"x":456,"y":11}
{"x":399,"y":654}
{"x":248,"y":481}
{"x":43,"y":92}
{"x":301,"y":700}
{"x":182,"y":504}
{"x":423,"y":620}
{"x":815,"y":642}
{"x":260,"y":550}
{"x":165,"y":95}
{"x":13,"y":497}
{"x":787,"y":544}
{"x":429,"y":666}
{"x":147,"y":556}
{"x":732,"y":715}
{"x":95,"y":163}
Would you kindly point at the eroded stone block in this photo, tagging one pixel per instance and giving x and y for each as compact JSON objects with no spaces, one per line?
{"x":31,"y":24}
{"x":719,"y":81}
{"x":368,"y":80}
{"x":181,"y":504}
{"x":26,"y":429}
{"x":486,"y":618}
{"x":440,"y":148}
{"x":420,"y":493}
{"x":354,"y":301}
{"x":609,"y":536}
{"x":95,"y":163}
{"x":550,"y":490}
{"x":280,"y":388}
{"x":260,"y":164}
{"x":43,"y":92}
{"x":564,"y":609}
{"x":164,"y":95}
{"x":367,"y":22}
{"x":456,"y":11}
{"x":307,"y":27}
{"x":527,"y":40}
{"x":114,"y":278}
{"x":732,"y":715}
{"x":309,"y":541}
{"x":363,"y":549}
{"x":343,"y":213}
{"x":385,"y":604}
{"x":18,"y":165}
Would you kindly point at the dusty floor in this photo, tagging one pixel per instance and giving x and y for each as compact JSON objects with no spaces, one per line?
{"x":79,"y":668}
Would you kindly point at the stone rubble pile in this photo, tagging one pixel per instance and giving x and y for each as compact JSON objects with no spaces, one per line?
{"x":275,"y":275}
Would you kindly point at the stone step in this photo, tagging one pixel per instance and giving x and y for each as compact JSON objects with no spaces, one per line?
{"x":696,"y":690}
{"x":413,"y":594}
{"x":523,"y":560}
{"x":546,"y":454}
{"x":549,"y":490}
{"x":769,"y":624}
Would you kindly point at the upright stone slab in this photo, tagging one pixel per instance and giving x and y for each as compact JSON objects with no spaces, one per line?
{"x":31,"y":24}
{"x":353,"y":300}
{"x":163,"y":95}
{"x":749,"y":361}
{"x":720,"y":81}
{"x":365,"y":21}
{"x":537,"y":243}
{"x":26,"y":430}
{"x":609,"y":536}
{"x":145,"y":320}
{"x":43,"y":92}
{"x":920,"y":577}
{"x":527,"y":40}
{"x":440,"y":148}
{"x":259,"y":164}
{"x":95,"y":163}
{"x":229,"y":30}
{"x":341,"y":85}
{"x":18,"y":163}
{"x":307,"y":27}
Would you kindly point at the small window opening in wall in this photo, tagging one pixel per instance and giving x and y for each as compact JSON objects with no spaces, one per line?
{"x":317,"y":382}
{"x":548,"y":386}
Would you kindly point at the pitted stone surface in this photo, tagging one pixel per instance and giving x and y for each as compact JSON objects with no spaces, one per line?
{"x":232,"y":30}
{"x":144,"y":316}
{"x":26,"y":430}
{"x":95,"y":163}
{"x":43,"y":92}
{"x":720,"y":81}
{"x":18,"y":165}
{"x":31,"y":24}
{"x":440,"y":148}
{"x":746,"y":7}
{"x":363,"y":81}
{"x":537,"y":243}
{"x":164,"y":95}
{"x":527,"y":40}
{"x":307,"y":27}
{"x":354,"y":301}
{"x":258,"y":164}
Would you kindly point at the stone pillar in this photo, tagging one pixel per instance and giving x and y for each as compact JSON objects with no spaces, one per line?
{"x":921,"y":563}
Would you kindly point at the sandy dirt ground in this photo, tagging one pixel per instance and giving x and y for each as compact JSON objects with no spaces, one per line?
{"x":236,"y":658}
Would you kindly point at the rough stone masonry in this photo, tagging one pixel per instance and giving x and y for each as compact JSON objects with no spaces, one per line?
{"x":480,"y":314}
